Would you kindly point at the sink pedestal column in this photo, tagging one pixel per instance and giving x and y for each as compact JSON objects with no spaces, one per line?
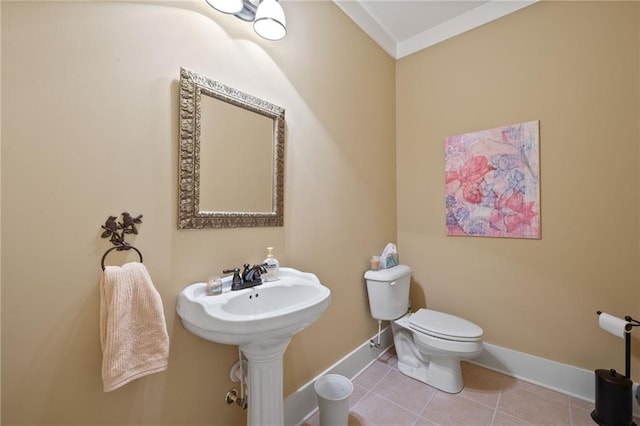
{"x":265,"y":402}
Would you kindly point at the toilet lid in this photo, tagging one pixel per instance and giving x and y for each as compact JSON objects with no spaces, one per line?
{"x":445,"y":326}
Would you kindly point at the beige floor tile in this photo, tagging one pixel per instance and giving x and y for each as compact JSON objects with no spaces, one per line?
{"x":535,"y":406}
{"x":356,"y":396}
{"x":579,"y":403}
{"x":424,"y":422}
{"x":481,"y":385}
{"x":581,"y":417}
{"x":389,"y":358}
{"x":504,"y":419}
{"x":384,"y":396}
{"x":355,"y":420}
{"x":372,"y":375}
{"x":511,"y":383}
{"x":404,"y":391}
{"x":374,"y":410}
{"x":446,"y":409}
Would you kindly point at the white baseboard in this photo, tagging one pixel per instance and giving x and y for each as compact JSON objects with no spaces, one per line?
{"x":570,"y":380}
{"x":302,"y":403}
{"x":553,"y":375}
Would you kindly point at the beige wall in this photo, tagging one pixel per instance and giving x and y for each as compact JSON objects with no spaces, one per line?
{"x":90,"y":125}
{"x":574,"y":67}
{"x":90,"y":129}
{"x":0,"y":210}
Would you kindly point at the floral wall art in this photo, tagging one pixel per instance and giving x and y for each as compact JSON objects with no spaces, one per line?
{"x":493,"y":183}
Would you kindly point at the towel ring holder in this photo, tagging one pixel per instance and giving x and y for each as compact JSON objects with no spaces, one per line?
{"x":119,"y":248}
{"x":116,"y":230}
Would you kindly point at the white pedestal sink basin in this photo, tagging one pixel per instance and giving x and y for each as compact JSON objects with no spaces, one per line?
{"x":261,"y":320}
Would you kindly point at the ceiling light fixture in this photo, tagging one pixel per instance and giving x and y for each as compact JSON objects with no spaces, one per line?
{"x":268,"y":16}
{"x":226,"y":6}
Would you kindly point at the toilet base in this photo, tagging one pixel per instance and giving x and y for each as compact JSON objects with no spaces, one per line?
{"x":441,"y":373}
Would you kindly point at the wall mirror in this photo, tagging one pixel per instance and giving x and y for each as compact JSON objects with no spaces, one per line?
{"x":231,"y":157}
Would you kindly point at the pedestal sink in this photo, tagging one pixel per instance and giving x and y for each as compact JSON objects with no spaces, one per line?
{"x":261,"y":320}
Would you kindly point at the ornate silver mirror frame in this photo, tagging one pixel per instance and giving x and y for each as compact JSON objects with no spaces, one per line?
{"x":192,"y":87}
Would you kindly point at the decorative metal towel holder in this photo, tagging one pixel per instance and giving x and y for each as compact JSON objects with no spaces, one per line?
{"x":116,"y":231}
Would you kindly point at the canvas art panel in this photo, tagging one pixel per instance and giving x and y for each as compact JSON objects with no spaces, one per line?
{"x":492,"y":182}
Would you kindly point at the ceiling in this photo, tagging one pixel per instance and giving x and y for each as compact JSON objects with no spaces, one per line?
{"x":402,"y":27}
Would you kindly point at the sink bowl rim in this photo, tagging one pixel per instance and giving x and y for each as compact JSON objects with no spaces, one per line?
{"x":205,"y":317}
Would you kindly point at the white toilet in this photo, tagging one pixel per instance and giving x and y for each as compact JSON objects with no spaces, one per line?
{"x":429,"y":344}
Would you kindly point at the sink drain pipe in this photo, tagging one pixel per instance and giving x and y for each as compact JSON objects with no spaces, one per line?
{"x":237,"y":374}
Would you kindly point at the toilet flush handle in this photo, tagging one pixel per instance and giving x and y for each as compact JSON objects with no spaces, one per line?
{"x":392,"y":283}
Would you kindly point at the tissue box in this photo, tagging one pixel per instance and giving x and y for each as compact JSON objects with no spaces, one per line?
{"x":389,"y":257}
{"x":389,"y":261}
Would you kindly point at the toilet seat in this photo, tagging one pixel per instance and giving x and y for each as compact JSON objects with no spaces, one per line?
{"x":444,"y":326}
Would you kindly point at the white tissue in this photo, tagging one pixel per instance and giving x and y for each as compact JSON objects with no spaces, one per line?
{"x":613,"y":325}
{"x":389,"y":257}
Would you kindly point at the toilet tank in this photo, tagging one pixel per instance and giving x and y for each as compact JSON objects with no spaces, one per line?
{"x":388,"y":291}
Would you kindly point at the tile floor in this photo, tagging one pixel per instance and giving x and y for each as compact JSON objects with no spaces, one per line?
{"x":383,"y":396}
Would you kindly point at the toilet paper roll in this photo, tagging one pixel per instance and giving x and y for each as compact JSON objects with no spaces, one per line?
{"x":614,"y":325}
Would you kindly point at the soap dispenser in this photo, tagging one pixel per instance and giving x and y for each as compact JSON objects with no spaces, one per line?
{"x":273,"y":266}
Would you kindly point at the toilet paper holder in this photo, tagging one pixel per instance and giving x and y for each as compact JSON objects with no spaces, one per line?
{"x":627,"y":343}
{"x":613,"y":391}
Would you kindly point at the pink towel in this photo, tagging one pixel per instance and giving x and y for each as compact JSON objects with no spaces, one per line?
{"x":133,"y":331}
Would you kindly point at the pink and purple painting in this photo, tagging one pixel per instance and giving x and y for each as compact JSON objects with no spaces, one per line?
{"x":492,"y":182}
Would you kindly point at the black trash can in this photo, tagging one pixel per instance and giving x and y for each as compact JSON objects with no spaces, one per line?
{"x":614,"y":400}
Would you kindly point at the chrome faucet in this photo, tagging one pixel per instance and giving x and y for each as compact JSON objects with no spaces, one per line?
{"x":251,"y":276}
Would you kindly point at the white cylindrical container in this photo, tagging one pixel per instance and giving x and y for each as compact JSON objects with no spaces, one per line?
{"x":333,"y":391}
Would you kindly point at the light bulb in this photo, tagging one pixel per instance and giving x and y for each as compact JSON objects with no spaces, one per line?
{"x":270,"y":22}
